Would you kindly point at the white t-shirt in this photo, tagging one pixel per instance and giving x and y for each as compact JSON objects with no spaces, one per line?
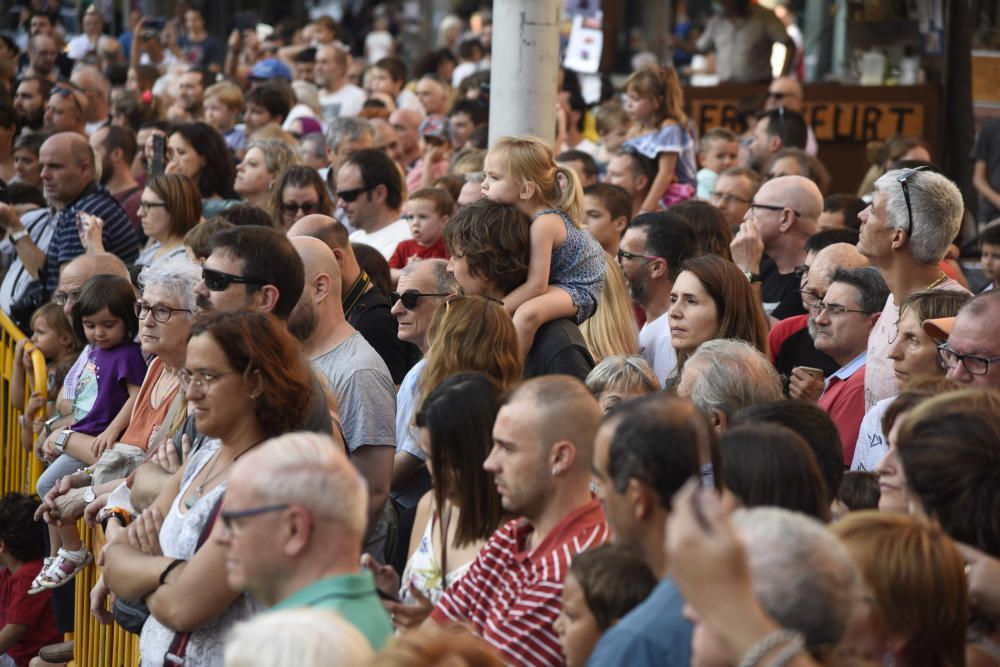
{"x":81,"y":45}
{"x":656,"y":347}
{"x":347,"y":101}
{"x":386,"y":239}
{"x":872,"y":444}
{"x":378,"y":44}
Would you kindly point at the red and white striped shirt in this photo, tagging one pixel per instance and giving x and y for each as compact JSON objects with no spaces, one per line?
{"x":512,"y":597}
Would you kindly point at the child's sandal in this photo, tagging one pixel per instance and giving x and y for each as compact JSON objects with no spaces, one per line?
{"x":36,"y":583}
{"x":66,"y":565}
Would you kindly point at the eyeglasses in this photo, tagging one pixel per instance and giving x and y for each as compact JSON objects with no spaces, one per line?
{"x":160,"y":313}
{"x":229,"y":518}
{"x":774,"y":207}
{"x":623,"y":254}
{"x":776,"y":95}
{"x":64,"y":92}
{"x":146,"y":205}
{"x":351,"y":195}
{"x":726,"y":197}
{"x":61,"y":298}
{"x":306,"y":207}
{"x":973,"y":363}
{"x":834,"y":309}
{"x":902,"y":180}
{"x":200,"y":380}
{"x":217,"y":281}
{"x":810,"y":298}
{"x":409,"y":298}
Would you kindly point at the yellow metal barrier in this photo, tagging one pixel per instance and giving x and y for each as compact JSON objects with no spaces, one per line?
{"x":95,"y":644}
{"x":19,"y":469}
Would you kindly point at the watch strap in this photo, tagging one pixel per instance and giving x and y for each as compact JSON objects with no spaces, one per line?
{"x":17,"y":236}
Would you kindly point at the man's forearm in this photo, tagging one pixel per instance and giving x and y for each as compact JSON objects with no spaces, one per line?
{"x":31,"y":256}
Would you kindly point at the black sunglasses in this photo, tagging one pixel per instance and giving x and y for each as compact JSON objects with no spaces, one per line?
{"x":350,"y":195}
{"x":62,"y":91}
{"x":409,"y":298}
{"x":307,"y":207}
{"x":902,"y":179}
{"x":217,"y":281}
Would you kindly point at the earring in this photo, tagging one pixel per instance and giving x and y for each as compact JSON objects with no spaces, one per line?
{"x":554,"y":471}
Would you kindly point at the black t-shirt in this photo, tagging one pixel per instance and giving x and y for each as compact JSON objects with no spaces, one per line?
{"x":559,"y":349}
{"x":799,"y":350}
{"x":779,"y":292}
{"x":987,"y":149}
{"x":371,"y":317}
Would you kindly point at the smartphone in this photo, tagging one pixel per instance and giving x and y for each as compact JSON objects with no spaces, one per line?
{"x":159,"y":154}
{"x":246,"y":21}
{"x":156,"y":23}
{"x":815,"y":372}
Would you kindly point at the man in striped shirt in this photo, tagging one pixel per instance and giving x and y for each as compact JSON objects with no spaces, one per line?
{"x":541,"y":459}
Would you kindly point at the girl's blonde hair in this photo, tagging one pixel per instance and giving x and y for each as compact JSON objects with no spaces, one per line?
{"x":530,"y":160}
{"x":663,"y":86}
{"x":622,"y":372}
{"x":612,"y":330}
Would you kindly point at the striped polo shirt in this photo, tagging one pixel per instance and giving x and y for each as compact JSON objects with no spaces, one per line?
{"x":511,"y":597}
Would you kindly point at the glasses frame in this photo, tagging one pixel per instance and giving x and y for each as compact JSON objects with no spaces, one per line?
{"x":146,"y":205}
{"x":227,"y":280}
{"x":774,"y":207}
{"x":413,"y":296}
{"x":199,"y":379}
{"x":350,"y":196}
{"x":944,"y":350}
{"x":624,"y":254}
{"x":835,"y":308}
{"x":61,"y":298}
{"x":291,"y":208}
{"x":803,"y":293}
{"x":725,"y":196}
{"x":142,"y":310}
{"x":903,"y":179}
{"x":228,"y":518}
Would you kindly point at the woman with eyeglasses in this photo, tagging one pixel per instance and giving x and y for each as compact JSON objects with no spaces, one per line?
{"x":710,"y":299}
{"x":169,"y":208}
{"x":245,"y":381}
{"x":257,"y":174}
{"x":914,"y":354}
{"x":300,"y":191}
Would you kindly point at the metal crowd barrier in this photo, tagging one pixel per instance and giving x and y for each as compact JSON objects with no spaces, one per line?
{"x":19,"y":469}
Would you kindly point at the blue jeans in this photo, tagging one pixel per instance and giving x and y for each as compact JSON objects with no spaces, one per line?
{"x":62,"y":466}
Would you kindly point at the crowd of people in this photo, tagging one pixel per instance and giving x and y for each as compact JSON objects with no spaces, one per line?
{"x":342,"y":383}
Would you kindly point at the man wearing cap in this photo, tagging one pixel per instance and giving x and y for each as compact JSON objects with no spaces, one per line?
{"x":437,"y":151}
{"x":269,"y":68}
{"x":971,"y":354}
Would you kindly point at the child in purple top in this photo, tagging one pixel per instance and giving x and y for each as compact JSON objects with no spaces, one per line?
{"x":102,"y":406}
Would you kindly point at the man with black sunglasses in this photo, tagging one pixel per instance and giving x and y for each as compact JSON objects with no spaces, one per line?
{"x":370,"y":191}
{"x":914,"y":216}
{"x":786,"y":91}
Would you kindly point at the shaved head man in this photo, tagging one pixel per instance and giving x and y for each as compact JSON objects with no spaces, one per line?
{"x":406,"y":122}
{"x":771,"y":241}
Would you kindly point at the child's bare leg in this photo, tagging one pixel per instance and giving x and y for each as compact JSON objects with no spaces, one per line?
{"x":55,"y":541}
{"x":533,"y":313}
{"x":70,"y":537}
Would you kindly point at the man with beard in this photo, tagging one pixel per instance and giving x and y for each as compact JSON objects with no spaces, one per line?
{"x":775,"y":129}
{"x":116,"y":147}
{"x":29,"y":102}
{"x":651,"y":253}
{"x":355,"y":374}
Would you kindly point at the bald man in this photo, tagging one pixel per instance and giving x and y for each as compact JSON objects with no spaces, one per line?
{"x":366,"y":307}
{"x":786,"y":91}
{"x":406,"y":122}
{"x":541,"y":461}
{"x":355,"y":374}
{"x":791,"y":341}
{"x":771,"y":241}
{"x":69,"y":180}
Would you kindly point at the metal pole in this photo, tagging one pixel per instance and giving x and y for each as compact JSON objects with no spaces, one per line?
{"x":525,"y":64}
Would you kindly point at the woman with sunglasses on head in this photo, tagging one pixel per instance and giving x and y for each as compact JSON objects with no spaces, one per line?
{"x":300,"y":191}
{"x":245,"y":381}
{"x":257,"y":174}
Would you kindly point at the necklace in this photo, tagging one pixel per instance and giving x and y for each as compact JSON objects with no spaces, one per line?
{"x":937,"y":281}
{"x":200,"y":489}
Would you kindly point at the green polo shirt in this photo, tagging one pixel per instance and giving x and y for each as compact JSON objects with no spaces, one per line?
{"x":353,"y":597}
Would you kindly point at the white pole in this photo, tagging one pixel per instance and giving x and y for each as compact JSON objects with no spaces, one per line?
{"x":525,"y":65}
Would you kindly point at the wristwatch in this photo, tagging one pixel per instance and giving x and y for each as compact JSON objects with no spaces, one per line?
{"x":62,"y":439}
{"x":751,"y":276}
{"x":89,"y":495}
{"x":17,"y":236}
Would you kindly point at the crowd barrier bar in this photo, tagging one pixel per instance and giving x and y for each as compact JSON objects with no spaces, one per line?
{"x":19,"y":469}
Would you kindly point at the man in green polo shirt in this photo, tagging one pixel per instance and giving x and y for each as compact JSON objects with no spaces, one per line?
{"x":295,"y":514}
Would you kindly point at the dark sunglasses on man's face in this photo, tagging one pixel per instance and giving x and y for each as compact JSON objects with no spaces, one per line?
{"x":350,"y":195}
{"x":409,"y":298}
{"x":217,"y":281}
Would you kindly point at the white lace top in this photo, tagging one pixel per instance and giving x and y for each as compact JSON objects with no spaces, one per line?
{"x":179,"y":539}
{"x":424,"y":570}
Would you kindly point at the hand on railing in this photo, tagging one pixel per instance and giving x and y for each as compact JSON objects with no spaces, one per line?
{"x":144,"y":532}
{"x":45,"y":449}
{"x":64,"y":502}
{"x":101,"y":599}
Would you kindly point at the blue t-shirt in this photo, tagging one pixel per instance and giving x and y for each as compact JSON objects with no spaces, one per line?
{"x":654,"y":634}
{"x":102,"y":388}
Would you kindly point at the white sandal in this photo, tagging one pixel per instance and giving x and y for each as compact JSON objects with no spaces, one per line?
{"x":66,"y":565}
{"x":36,"y":584}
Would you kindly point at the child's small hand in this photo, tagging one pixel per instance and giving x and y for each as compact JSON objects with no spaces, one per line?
{"x":102,"y":442}
{"x":35,"y":402}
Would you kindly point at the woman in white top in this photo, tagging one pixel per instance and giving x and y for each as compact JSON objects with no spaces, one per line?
{"x":462,"y":510}
{"x":169,"y":207}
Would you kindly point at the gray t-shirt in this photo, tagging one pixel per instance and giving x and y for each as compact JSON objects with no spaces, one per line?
{"x":366,"y":396}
